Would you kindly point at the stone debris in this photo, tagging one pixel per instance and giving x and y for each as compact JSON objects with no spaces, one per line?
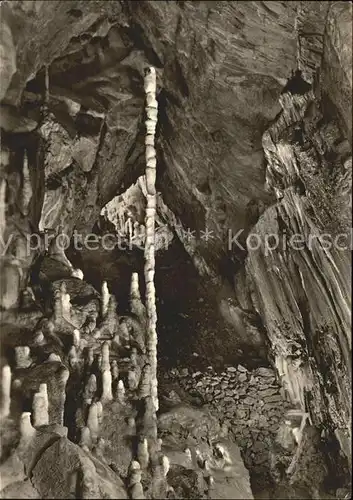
{"x":248,"y":401}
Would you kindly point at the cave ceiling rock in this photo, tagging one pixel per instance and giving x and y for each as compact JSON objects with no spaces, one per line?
{"x":215,"y":62}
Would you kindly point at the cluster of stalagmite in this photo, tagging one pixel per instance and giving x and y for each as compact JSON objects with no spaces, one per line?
{"x":85,"y":353}
{"x":151,"y":162}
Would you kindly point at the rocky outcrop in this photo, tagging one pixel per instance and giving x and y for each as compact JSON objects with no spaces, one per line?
{"x":200,"y":454}
{"x":254,"y":135}
{"x":302,"y":292}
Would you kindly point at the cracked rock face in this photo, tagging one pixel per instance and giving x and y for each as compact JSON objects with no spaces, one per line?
{"x":253,"y":144}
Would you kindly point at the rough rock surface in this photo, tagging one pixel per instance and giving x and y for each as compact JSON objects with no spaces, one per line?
{"x":243,"y":143}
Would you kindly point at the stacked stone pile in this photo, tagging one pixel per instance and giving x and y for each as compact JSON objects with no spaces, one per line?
{"x":250,"y":404}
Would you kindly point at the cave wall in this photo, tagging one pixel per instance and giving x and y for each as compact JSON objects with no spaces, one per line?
{"x":227,"y":159}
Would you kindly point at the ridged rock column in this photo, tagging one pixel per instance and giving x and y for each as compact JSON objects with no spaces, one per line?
{"x":151,"y":122}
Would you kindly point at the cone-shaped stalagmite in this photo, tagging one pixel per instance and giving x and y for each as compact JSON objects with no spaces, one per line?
{"x":76,"y":337}
{"x":136,"y":305}
{"x":135,"y":486}
{"x":133,"y":379}
{"x":26,"y":186}
{"x":145,"y":381}
{"x":26,"y":429}
{"x":90,"y":389}
{"x":142,"y":453}
{"x":90,"y":357}
{"x":41,"y":407}
{"x":114,"y":369}
{"x":86,"y":440}
{"x":120,"y":392}
{"x":99,"y":412}
{"x":64,"y":375}
{"x":105,"y":299}
{"x":2,"y":212}
{"x":107,"y":394}
{"x":92,"y":421}
{"x":105,"y":365}
{"x":22,"y":356}
{"x":5,"y":391}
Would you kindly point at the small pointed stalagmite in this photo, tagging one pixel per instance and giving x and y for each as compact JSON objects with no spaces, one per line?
{"x":135,"y":486}
{"x":86,"y":440}
{"x":91,"y":323}
{"x":5,"y":391}
{"x":105,"y":299}
{"x":105,"y":364}
{"x":26,"y":186}
{"x":99,"y":449}
{"x":143,"y":454}
{"x":90,"y":389}
{"x":131,"y":426}
{"x":90,"y":357}
{"x":76,"y":337}
{"x":136,"y":305}
{"x":187,"y":452}
{"x":99,"y":412}
{"x":66,"y":306}
{"x":41,"y":407}
{"x":114,"y":369}
{"x":2,"y":211}
{"x":39,"y":338}
{"x":58,"y":306}
{"x":120,"y":392}
{"x":165,"y":465}
{"x":64,"y":375}
{"x":159,"y":444}
{"x":145,"y":382}
{"x":107,"y":394}
{"x":92,"y":421}
{"x":10,"y":283}
{"x":133,"y":356}
{"x":22,"y":356}
{"x":124,"y":333}
{"x":26,"y":428}
{"x":132,"y":379}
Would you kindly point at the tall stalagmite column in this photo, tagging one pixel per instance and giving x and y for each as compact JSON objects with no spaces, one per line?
{"x":151,"y":122}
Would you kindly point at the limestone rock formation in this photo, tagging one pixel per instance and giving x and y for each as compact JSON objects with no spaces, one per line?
{"x":213,"y":191}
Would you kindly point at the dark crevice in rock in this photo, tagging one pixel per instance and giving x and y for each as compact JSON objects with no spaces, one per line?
{"x":296,"y":84}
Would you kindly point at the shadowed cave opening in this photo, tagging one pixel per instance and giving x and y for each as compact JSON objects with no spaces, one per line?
{"x":191,"y":330}
{"x":252,"y":347}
